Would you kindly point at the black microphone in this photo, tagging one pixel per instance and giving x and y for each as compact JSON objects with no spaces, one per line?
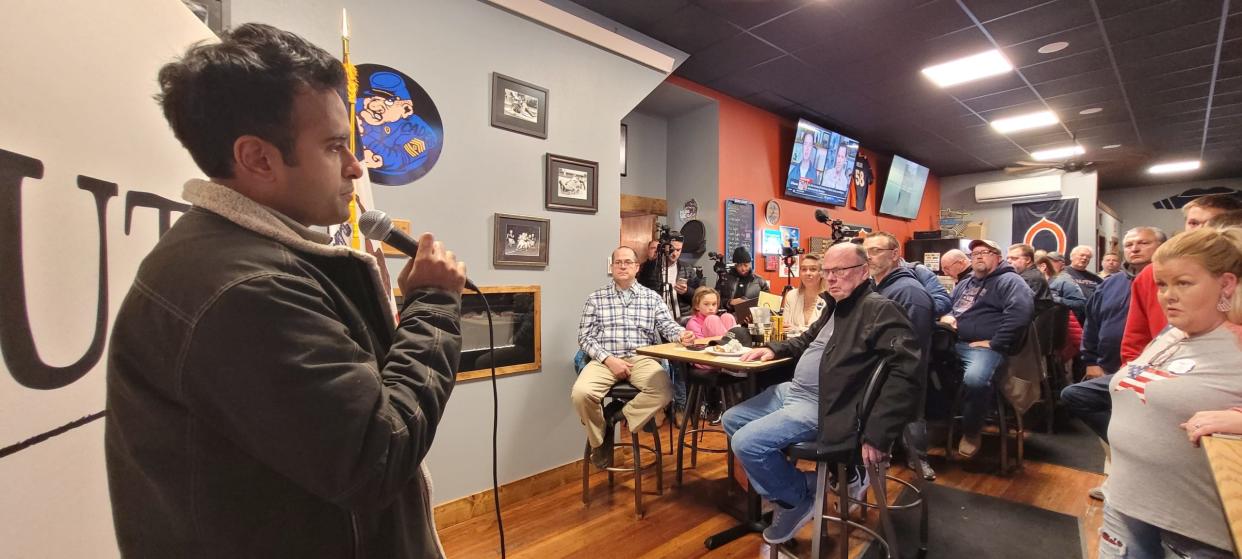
{"x":820,"y":216}
{"x":376,"y":225}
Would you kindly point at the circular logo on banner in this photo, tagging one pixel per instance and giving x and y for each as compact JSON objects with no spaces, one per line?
{"x":1047,"y":235}
{"x":399,"y":130}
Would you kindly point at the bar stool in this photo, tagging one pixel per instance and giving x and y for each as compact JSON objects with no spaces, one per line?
{"x":621,"y":393}
{"x":846,"y":455}
{"x":1004,"y":415}
{"x":699,"y":384}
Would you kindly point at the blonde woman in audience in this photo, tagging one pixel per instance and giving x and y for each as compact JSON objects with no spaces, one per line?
{"x":1217,"y":421}
{"x":1160,"y":500}
{"x":804,"y":304}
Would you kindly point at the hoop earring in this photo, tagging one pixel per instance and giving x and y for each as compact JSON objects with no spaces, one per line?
{"x":1224,"y":304}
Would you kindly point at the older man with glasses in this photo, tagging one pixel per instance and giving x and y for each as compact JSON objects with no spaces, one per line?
{"x":898,"y":282}
{"x":991,"y":310}
{"x":835,"y":357}
{"x":617,"y":319}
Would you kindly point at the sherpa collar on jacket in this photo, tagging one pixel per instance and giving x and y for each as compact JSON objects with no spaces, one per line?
{"x":253,"y":216}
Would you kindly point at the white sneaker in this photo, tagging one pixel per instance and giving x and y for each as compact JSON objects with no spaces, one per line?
{"x":858,"y":493}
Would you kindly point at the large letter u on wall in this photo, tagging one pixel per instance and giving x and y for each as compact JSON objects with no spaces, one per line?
{"x":16,"y":340}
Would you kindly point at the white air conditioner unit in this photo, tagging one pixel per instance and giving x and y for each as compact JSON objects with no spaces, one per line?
{"x":1017,"y":190}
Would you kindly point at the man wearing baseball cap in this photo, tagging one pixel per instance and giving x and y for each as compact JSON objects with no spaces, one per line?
{"x":991,"y":308}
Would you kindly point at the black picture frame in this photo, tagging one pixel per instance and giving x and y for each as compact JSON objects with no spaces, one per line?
{"x":519,"y":106}
{"x":507,"y":245}
{"x":571,"y":184}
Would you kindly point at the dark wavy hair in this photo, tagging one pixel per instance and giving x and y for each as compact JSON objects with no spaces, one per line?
{"x":243,"y":85}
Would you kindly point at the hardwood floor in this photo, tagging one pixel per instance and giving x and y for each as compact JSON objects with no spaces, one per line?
{"x":556,"y":524}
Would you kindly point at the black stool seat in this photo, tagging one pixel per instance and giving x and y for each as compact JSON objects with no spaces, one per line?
{"x":812,"y":451}
{"x":623,"y":391}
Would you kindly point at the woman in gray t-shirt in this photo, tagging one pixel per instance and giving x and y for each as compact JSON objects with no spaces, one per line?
{"x":1160,"y":496}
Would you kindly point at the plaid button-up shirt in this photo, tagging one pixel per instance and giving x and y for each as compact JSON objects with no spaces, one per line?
{"x":615,"y":321}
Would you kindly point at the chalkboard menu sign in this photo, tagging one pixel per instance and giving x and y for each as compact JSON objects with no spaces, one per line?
{"x":739,"y":226}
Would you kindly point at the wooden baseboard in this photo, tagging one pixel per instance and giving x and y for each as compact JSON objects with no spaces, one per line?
{"x":481,"y":503}
{"x":470,"y":506}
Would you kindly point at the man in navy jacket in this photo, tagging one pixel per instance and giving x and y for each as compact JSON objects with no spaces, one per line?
{"x":895,"y":279}
{"x":991,"y":311}
{"x":1089,"y":400}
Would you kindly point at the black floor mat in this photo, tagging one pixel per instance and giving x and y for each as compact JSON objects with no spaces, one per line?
{"x":1073,"y":445}
{"x":973,"y":526}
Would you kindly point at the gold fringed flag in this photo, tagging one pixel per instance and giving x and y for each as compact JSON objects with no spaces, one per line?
{"x":347,"y":233}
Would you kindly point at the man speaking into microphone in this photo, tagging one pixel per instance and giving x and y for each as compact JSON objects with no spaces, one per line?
{"x":261,"y":401}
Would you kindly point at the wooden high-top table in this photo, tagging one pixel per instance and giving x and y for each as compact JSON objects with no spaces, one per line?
{"x":752,"y":520}
{"x":1225,"y":458}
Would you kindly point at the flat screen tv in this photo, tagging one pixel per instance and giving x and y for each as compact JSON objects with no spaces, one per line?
{"x":821,"y":165}
{"x":903,"y":192}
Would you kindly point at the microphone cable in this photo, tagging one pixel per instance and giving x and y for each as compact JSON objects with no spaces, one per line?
{"x":491,"y":342}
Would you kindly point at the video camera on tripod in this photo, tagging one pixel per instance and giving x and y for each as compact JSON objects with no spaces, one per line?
{"x":665,"y":239}
{"x":719,"y":266}
{"x":840,"y":231}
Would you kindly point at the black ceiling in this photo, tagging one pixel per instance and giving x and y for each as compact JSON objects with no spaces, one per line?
{"x":853,"y":65}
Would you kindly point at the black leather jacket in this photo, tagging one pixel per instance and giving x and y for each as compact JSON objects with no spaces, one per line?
{"x":261,"y":402}
{"x":868,"y":328}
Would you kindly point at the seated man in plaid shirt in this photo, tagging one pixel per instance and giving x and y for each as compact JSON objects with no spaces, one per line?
{"x":617,"y":319}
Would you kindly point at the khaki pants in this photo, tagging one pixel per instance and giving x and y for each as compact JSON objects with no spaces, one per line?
{"x":647,"y":375}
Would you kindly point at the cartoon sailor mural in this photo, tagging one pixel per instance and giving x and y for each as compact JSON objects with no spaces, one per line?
{"x":396,"y":140}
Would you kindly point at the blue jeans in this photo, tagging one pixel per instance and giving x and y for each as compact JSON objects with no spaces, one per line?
{"x":1091,"y":402}
{"x":1130,"y":538}
{"x":980,"y":365}
{"x":760,"y":428}
{"x":678,"y":372}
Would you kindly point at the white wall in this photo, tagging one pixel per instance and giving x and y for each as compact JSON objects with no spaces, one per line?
{"x":647,"y":155}
{"x":958,"y":193}
{"x":97,"y":62}
{"x":694,"y":172}
{"x":451,"y":47}
{"x":1134,"y":205}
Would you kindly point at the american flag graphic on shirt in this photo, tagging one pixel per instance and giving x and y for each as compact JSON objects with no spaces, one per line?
{"x":1137,"y":377}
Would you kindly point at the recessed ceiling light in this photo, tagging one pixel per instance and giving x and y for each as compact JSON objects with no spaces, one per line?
{"x":1024,"y":122}
{"x":1058,"y":153}
{"x":1111,"y":146}
{"x":974,"y":67}
{"x":1053,"y":47}
{"x":1090,"y":111}
{"x":1174,"y":167}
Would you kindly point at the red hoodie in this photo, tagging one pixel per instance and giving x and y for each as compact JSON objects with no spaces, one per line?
{"x":1146,"y":318}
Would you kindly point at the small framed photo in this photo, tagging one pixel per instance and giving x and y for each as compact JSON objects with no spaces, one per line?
{"x":519,"y":106}
{"x":520,"y":241}
{"x":571,"y":184}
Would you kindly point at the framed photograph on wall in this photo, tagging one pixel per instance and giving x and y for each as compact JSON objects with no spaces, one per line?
{"x":517,"y":331}
{"x":520,"y":241}
{"x":519,"y":106}
{"x":571,"y":184}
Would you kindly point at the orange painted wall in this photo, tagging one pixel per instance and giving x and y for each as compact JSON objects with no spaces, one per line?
{"x":755,"y":147}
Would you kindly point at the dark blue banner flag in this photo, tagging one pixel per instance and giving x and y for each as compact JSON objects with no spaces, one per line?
{"x":1051,"y":225}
